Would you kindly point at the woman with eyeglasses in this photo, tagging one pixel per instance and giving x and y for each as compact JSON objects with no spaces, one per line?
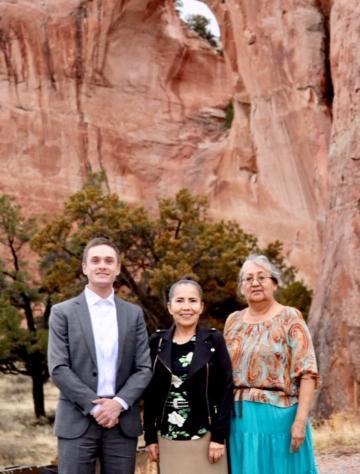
{"x":275,"y":374}
{"x":188,"y":401}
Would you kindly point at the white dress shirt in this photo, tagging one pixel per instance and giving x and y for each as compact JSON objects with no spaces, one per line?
{"x":105,"y":329}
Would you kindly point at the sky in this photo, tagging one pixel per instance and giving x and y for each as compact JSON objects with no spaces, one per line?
{"x":193,"y":7}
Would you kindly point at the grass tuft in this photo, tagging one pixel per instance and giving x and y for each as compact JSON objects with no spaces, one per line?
{"x":24,"y":440}
{"x":10,"y":452}
{"x":338,"y":435}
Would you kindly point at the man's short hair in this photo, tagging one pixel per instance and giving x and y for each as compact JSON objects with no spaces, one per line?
{"x":100,"y":241}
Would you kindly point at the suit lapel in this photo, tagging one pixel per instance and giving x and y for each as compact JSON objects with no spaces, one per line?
{"x":121,"y":315}
{"x":86,"y":326}
{"x":203,"y":350}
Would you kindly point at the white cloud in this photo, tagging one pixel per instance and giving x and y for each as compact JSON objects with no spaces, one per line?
{"x":193,"y":7}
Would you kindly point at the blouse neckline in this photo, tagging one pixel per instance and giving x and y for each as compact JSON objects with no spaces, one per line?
{"x":276,"y":315}
{"x":182,"y":344}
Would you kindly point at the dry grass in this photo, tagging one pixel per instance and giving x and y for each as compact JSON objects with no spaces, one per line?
{"x":338,"y":435}
{"x":23,"y":439}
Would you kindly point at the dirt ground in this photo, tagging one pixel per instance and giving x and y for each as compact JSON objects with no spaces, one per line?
{"x":335,"y":464}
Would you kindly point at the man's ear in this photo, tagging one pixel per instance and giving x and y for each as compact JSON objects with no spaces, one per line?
{"x":83,"y":266}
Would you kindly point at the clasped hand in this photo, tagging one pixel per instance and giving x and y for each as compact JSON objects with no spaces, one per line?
{"x":108,"y":413}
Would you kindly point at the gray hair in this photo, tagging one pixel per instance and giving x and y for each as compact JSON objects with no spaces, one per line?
{"x":185,"y":281}
{"x":263,"y":262}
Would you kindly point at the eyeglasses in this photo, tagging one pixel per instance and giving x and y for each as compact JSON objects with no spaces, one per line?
{"x":260,"y":279}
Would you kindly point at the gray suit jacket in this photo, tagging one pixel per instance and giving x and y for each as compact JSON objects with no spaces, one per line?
{"x":73,"y":366}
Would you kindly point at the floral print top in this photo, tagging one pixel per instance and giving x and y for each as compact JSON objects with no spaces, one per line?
{"x":177,"y":423}
{"x":269,"y":358}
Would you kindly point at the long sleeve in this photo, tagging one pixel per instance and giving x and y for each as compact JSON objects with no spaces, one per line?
{"x":60,"y":367}
{"x":151,"y":398}
{"x":221,"y":419}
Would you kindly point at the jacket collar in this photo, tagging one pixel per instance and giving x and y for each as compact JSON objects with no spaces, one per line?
{"x":203,"y":350}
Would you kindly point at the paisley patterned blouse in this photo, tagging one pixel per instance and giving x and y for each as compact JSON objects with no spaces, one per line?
{"x":269,"y":358}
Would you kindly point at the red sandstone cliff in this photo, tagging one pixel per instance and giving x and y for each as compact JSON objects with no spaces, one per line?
{"x":273,"y":172}
{"x":335,"y":317}
{"x":122,"y":85}
{"x":114,"y":84}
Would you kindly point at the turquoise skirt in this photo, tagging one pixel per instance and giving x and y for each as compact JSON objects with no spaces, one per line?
{"x":260,"y":441}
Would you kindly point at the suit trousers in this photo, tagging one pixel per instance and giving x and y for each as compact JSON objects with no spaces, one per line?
{"x":115,"y":451}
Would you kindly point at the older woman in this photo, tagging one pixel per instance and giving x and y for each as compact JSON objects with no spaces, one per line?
{"x":275,"y":372}
{"x":188,"y":402}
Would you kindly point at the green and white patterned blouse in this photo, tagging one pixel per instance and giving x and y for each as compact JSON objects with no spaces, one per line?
{"x":177,"y":422}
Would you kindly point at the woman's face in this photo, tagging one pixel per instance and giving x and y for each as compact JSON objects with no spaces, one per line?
{"x":256,"y":284}
{"x":186,"y":306}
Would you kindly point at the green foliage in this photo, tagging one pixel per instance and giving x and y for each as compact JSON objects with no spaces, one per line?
{"x":156,"y":251}
{"x":296,"y":294}
{"x":292,"y":292}
{"x":229,"y":117}
{"x":17,"y":344}
{"x":200,"y":24}
{"x":10,"y":335}
{"x":23,"y":330}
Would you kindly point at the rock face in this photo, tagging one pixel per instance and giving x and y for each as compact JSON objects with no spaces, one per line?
{"x":119,"y":85}
{"x":335,"y":317}
{"x":122,"y":85}
{"x":289,"y":59}
{"x":273,"y":172}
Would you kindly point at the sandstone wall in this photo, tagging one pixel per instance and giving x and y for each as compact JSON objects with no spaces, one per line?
{"x":113,"y":84}
{"x":335,"y":317}
{"x":122,"y":85}
{"x":274,"y":169}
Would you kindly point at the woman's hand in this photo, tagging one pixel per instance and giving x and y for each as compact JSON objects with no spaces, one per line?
{"x":216,"y":451}
{"x":298,"y":430}
{"x":153,"y":452}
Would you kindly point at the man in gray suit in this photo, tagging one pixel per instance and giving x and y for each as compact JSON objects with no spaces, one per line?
{"x":99,"y":359}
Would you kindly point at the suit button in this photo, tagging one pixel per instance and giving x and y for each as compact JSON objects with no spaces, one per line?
{"x":94,"y":374}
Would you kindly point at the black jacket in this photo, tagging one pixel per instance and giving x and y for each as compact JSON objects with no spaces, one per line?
{"x":210,"y":390}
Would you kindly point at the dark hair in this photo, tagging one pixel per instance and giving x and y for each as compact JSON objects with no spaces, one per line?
{"x":100,"y":241}
{"x":185,"y":281}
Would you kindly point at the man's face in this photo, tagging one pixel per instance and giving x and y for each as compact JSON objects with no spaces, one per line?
{"x":101,"y":267}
